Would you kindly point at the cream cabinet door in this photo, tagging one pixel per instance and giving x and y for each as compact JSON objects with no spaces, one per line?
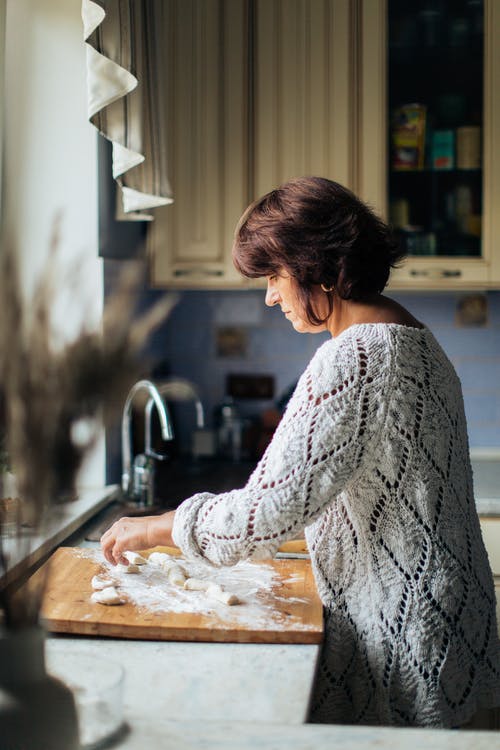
{"x":427,"y":272}
{"x":303,"y":84}
{"x":490,"y":527}
{"x":257,"y":93}
{"x":189,"y":242}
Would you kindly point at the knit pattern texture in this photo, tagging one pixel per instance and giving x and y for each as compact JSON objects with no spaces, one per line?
{"x":371,"y":460}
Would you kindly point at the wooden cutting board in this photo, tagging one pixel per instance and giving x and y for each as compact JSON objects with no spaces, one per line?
{"x":289,"y":611}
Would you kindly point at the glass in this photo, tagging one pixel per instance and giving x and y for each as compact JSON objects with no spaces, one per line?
{"x":435,"y":100}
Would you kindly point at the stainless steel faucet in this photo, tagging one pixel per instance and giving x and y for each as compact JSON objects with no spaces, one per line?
{"x":138,"y":476}
{"x":175,"y":389}
{"x":178,"y":389}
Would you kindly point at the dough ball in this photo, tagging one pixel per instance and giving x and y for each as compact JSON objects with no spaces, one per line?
{"x":196,"y":584}
{"x":108,"y":596}
{"x":135,"y":558}
{"x":160,"y":559}
{"x":176,"y":575}
{"x":99,"y":583}
{"x":214,"y":591}
{"x":130,"y":568}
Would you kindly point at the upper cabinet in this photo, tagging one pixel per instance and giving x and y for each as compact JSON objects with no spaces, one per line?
{"x":394,"y":100}
{"x":429,"y":136}
{"x":207,"y":116}
{"x":260,"y":91}
{"x":303,"y":81}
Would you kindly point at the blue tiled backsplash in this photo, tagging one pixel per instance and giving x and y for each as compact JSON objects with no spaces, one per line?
{"x":187,"y":346}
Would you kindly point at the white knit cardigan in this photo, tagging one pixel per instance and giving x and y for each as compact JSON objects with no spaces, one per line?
{"x":371,"y":459}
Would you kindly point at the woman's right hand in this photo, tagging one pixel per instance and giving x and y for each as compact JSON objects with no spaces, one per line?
{"x":136,"y":534}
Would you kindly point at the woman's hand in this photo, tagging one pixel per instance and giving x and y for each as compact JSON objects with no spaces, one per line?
{"x":136,"y":533}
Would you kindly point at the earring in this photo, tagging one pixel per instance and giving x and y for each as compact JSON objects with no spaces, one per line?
{"x":327,"y":289}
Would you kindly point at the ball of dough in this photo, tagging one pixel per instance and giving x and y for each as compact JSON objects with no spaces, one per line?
{"x":130,"y":568}
{"x":214,"y":591}
{"x":196,"y":584}
{"x":135,"y":558}
{"x":160,"y":559}
{"x":99,"y":583}
{"x":177,"y":575}
{"x":107,"y":596}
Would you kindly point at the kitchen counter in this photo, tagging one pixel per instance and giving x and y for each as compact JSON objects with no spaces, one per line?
{"x":25,"y":554}
{"x":216,"y":695}
{"x":193,"y":735}
{"x":205,"y":682}
{"x":244,"y":696}
{"x":181,"y":681}
{"x":486,"y":475}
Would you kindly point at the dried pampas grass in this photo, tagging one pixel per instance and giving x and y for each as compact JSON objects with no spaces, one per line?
{"x":57,"y":396}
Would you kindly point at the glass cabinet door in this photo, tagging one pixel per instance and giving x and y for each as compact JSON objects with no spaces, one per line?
{"x":435,"y":116}
{"x":430,"y":121}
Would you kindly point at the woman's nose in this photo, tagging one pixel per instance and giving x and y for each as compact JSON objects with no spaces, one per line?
{"x":272,"y":296}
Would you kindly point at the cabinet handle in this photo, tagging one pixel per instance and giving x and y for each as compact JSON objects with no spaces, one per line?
{"x":198,"y":272}
{"x":436,"y":273}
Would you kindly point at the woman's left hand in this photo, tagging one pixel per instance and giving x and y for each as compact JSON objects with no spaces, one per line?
{"x":135,"y":534}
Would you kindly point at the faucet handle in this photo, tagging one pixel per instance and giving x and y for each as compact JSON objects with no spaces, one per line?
{"x":150,"y":453}
{"x":143,"y":473}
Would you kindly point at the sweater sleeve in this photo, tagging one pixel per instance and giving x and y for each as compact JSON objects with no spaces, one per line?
{"x":322,"y":443}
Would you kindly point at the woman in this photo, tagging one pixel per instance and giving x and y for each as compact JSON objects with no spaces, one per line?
{"x":371,"y":461}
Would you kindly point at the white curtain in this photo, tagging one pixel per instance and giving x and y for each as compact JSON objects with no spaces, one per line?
{"x":126,"y":97}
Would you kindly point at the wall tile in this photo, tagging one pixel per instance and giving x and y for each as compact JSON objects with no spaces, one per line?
{"x":484,"y":435}
{"x":186,"y":346}
{"x":479,"y":374}
{"x":469,"y":343}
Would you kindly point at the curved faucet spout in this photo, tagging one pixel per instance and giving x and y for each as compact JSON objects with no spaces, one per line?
{"x":166,"y":435}
{"x":166,"y":426}
{"x":180,"y":389}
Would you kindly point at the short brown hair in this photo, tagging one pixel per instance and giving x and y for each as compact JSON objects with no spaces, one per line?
{"x":320,"y":233}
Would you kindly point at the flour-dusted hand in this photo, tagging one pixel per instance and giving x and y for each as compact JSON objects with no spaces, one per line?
{"x":129,"y":534}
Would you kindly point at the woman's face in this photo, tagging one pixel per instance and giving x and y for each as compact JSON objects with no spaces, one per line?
{"x":282,"y":291}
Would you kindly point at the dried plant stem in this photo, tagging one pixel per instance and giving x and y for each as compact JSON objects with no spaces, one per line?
{"x":49,"y":391}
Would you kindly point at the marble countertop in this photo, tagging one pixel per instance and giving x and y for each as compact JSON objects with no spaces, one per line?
{"x":204,"y":682}
{"x":249,"y":696}
{"x":244,"y":696}
{"x":250,"y":736}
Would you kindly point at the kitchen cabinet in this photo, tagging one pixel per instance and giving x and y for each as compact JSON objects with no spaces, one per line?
{"x":429,"y":76}
{"x":265,"y":90}
{"x":259,"y":92}
{"x":303,"y":92}
{"x":190,"y":241}
{"x":490,"y":528}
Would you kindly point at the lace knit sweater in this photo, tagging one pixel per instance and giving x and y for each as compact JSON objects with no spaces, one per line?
{"x":371,"y":459}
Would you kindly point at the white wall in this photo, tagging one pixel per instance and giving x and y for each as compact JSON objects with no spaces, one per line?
{"x":50,"y":160}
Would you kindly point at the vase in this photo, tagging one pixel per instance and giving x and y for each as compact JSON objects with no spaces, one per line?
{"x":36,"y":709}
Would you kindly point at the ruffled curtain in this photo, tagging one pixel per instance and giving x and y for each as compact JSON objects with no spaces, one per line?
{"x":126,"y":97}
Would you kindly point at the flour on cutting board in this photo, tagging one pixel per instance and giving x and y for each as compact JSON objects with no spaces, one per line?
{"x":255,"y":585}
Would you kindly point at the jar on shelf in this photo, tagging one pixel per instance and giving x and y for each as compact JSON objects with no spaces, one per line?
{"x":468,"y":147}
